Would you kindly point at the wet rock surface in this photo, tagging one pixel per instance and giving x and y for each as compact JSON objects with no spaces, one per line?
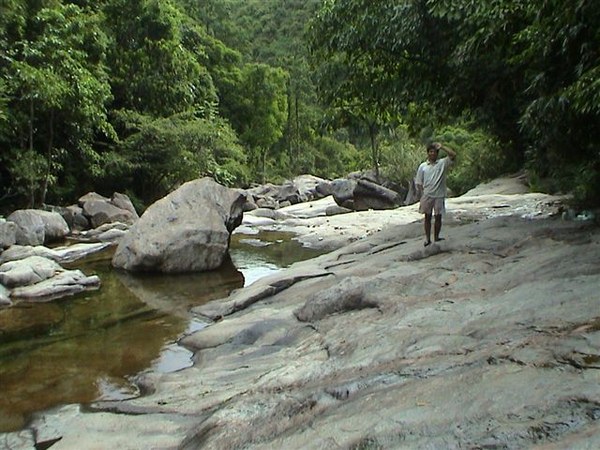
{"x":488,"y":339}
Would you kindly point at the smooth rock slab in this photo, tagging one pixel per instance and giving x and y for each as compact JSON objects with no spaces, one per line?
{"x":65,"y":283}
{"x":64,"y":254}
{"x":27,"y":271}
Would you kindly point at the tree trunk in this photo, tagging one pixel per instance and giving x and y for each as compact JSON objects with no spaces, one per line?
{"x":46,"y":180}
{"x":31,"y":180}
{"x":264,"y":165}
{"x":289,"y":132}
{"x":374,"y":149}
{"x":297,"y":130}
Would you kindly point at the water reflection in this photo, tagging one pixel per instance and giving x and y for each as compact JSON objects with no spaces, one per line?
{"x":89,"y":346}
{"x":176,"y":294}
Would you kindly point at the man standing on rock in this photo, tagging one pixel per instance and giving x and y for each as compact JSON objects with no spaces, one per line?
{"x":431,"y":188}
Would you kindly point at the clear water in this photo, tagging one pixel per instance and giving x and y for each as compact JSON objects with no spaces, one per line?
{"x":90,"y":346}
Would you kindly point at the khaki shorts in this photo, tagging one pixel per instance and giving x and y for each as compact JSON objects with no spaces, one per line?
{"x":430,"y":204}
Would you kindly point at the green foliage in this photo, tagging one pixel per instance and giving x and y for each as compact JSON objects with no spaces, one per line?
{"x":401,"y":155}
{"x":161,"y":154}
{"x":480,"y":156}
{"x":333,"y":158}
{"x":268,"y":32}
{"x":228,"y":88}
{"x":263,"y":111}
{"x":586,"y":186}
{"x":152,"y":71}
{"x":27,"y":168}
{"x":528,"y":70}
{"x":56,"y":90}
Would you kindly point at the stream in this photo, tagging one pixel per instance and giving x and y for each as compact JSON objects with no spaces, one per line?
{"x":90,"y":346}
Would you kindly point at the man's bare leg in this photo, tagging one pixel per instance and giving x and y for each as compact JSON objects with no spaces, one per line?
{"x":427,"y":224}
{"x":437,"y":228}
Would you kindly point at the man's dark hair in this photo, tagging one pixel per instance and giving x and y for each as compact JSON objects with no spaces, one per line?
{"x":431,"y":146}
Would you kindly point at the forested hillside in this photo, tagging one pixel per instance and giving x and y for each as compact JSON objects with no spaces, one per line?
{"x":138,"y":96}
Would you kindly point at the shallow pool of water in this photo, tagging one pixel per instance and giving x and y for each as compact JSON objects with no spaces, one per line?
{"x":90,"y":346}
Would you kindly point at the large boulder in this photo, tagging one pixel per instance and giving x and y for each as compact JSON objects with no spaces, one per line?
{"x":362,"y":194}
{"x":30,"y":227}
{"x":36,"y":227}
{"x":55,"y":226}
{"x":186,"y":231}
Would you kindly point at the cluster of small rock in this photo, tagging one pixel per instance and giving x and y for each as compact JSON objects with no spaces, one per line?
{"x":31,"y":271}
{"x":358,"y":191}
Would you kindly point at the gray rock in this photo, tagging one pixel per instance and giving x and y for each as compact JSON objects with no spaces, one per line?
{"x":291,"y":192}
{"x":100,"y":212}
{"x":91,"y":196}
{"x":17,"y":252}
{"x":267,"y":202}
{"x":66,"y":282}
{"x":30,"y":227}
{"x":64,"y":254}
{"x":30,"y":270}
{"x":369,"y":195}
{"x":75,"y":252}
{"x":122,"y":201}
{"x":323,"y":189}
{"x":55,"y":226}
{"x":269,"y":213}
{"x":8,"y":233}
{"x":334,"y":210}
{"x":301,"y":189}
{"x":75,"y":218}
{"x":36,"y":226}
{"x":363,"y":194}
{"x":113,"y":235}
{"x":411,"y":196}
{"x":4,"y":296}
{"x":186,"y":231}
{"x":342,"y":190}
{"x":107,"y":232}
{"x":19,"y":440}
{"x":345,"y":296}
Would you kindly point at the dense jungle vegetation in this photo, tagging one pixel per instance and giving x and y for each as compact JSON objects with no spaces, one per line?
{"x":138,"y":96}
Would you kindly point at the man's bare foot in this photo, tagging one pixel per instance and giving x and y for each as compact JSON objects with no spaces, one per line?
{"x":438,"y":239}
{"x":426,"y":243}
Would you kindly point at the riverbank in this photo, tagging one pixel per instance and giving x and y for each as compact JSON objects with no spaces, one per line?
{"x":489,"y":339}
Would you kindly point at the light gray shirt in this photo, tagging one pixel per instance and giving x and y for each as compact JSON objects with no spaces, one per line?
{"x":432,"y":176}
